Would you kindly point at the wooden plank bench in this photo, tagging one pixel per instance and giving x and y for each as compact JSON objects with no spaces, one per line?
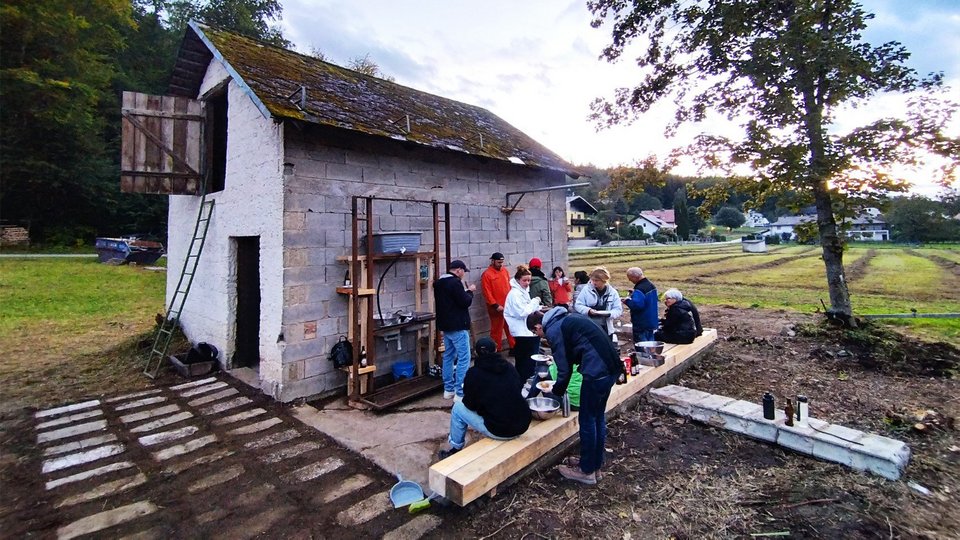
{"x":482,"y":466}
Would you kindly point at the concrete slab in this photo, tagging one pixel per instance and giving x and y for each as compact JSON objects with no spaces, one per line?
{"x":404,"y":440}
{"x":79,"y":445}
{"x":136,"y":417}
{"x":109,"y":488}
{"x":79,"y":458}
{"x":365,"y":510}
{"x":216,"y":479}
{"x":178,"y":468}
{"x":418,"y":527}
{"x":192,"y":384}
{"x":71,"y":431}
{"x":348,"y":486}
{"x":213,"y":397}
{"x":167,"y":436}
{"x":203,"y":389}
{"x":313,"y":470}
{"x":245,"y":415}
{"x":88,"y":474}
{"x":272,"y":439}
{"x":184,"y":448}
{"x":290,"y":451}
{"x":66,"y":408}
{"x":217,"y":408}
{"x":256,"y":427}
{"x":68,"y":419}
{"x":140,"y":403}
{"x":103,"y":520}
{"x":133,"y":395}
{"x":157,"y":424}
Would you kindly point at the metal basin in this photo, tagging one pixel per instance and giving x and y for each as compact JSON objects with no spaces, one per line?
{"x":386,"y":320}
{"x":648,"y":348}
{"x":543,"y":408}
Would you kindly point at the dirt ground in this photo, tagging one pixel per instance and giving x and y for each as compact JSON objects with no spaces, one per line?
{"x":665,"y":477}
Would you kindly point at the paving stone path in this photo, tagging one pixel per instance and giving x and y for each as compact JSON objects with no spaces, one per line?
{"x":203,"y":459}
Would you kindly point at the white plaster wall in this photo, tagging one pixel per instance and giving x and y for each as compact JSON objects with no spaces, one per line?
{"x":317,"y":230}
{"x":250,"y":205}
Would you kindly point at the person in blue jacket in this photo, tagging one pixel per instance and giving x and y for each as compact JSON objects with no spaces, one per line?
{"x":578,"y":343}
{"x":643,"y":304}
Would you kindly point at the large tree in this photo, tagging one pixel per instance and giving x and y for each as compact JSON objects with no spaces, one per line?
{"x":782,"y":68}
{"x":253,"y":18}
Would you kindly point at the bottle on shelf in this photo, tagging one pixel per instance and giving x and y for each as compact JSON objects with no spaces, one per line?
{"x":803,"y":410}
{"x":768,"y":406}
{"x":788,"y":410}
{"x":363,"y":356}
{"x":346,"y":279}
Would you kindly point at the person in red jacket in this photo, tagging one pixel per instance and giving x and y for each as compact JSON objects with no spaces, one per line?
{"x":560,"y":288}
{"x":495,"y":283}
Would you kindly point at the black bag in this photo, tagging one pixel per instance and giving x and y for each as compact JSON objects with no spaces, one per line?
{"x":341,"y":354}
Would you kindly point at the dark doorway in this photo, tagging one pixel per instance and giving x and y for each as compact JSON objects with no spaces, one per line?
{"x":247,"y":344}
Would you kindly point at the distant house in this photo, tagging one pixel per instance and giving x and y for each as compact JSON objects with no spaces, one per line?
{"x":755,"y":219}
{"x":578,"y":224}
{"x":666,"y":216}
{"x":650,"y":224}
{"x":863,"y":227}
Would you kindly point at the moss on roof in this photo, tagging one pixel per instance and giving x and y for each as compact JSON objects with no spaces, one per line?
{"x":343,"y":98}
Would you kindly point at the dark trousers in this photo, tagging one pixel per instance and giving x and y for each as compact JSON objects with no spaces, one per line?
{"x":593,"y":421}
{"x":642,"y":334}
{"x":525,"y":347}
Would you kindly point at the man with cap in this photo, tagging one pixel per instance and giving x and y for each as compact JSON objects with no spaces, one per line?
{"x":492,"y":404}
{"x":453,"y":298}
{"x":495,"y":282}
{"x":539,"y":286}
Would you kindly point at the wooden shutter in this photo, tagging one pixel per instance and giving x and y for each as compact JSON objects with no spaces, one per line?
{"x":161,"y":147}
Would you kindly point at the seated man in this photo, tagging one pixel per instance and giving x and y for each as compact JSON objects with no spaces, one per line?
{"x":491,"y":403}
{"x":681,"y":320}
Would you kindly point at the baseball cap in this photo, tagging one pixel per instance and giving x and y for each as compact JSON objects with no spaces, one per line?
{"x":536,"y":262}
{"x":459,"y":264}
{"x":485,"y":345}
{"x":497,"y":256}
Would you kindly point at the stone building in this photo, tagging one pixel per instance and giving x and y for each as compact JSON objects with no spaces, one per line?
{"x":287,"y":141}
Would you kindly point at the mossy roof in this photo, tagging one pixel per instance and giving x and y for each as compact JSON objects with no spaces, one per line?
{"x":343,"y":98}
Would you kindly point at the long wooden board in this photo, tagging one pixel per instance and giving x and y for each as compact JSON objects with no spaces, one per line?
{"x":484,"y":465}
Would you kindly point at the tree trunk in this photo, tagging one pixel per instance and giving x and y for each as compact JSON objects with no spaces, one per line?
{"x":832,"y":247}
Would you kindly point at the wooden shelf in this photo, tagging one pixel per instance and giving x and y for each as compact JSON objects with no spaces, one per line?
{"x":401,"y":326}
{"x":361,"y":371}
{"x":361,"y":292}
{"x":401,"y":391}
{"x":388,"y":256}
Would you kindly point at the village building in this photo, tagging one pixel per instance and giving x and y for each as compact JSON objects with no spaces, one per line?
{"x":755,"y":219}
{"x":289,"y":143}
{"x":648,"y":223}
{"x":578,"y":222}
{"x":863,"y":227}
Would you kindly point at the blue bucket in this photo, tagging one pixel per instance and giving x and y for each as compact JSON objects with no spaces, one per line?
{"x":402,"y":370}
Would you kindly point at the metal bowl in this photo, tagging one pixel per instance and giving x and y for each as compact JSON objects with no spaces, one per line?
{"x":543,"y":408}
{"x":648,"y":347}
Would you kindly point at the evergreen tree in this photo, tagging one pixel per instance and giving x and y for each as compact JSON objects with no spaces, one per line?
{"x":680,"y":215}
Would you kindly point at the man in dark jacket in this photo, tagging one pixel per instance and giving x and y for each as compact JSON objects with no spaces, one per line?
{"x":539,"y":286}
{"x":453,"y":298}
{"x":575,"y":340}
{"x":681,"y":320}
{"x":643,"y":304}
{"x":492,"y":403}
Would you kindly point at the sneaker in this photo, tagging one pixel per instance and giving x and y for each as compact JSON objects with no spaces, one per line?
{"x":575,"y":474}
{"x":574,"y":462}
{"x":444,"y":454}
{"x":457,"y":399}
{"x":448,"y":395}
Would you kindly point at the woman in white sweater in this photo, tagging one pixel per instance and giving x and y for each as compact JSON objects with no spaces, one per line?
{"x":518,"y":306}
{"x":600,"y":301}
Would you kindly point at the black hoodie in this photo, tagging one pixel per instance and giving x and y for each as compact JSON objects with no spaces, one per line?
{"x":492,"y":390}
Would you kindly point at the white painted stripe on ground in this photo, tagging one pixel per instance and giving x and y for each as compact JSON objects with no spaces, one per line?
{"x":103,"y":520}
{"x":203,"y":389}
{"x":251,"y":497}
{"x":80,"y":458}
{"x":133,"y":395}
{"x":348,"y":486}
{"x":178,"y":468}
{"x":290,"y":451}
{"x":225,"y":406}
{"x":239,"y":416}
{"x":109,"y":488}
{"x":66,"y":408}
{"x":156,"y":424}
{"x":140,"y":403}
{"x":216,"y":479}
{"x":68,"y":419}
{"x":257,"y":525}
{"x":184,"y":448}
{"x":365,"y":510}
{"x":191,"y":384}
{"x":79,"y":445}
{"x":414,"y":529}
{"x":254,"y":428}
{"x":89,"y":474}
{"x":143,"y":415}
{"x":167,"y":436}
{"x":71,"y":431}
{"x":273,"y":439}
{"x":213,"y":397}
{"x":313,"y":470}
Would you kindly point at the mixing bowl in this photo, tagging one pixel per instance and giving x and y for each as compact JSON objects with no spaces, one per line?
{"x":543,"y":408}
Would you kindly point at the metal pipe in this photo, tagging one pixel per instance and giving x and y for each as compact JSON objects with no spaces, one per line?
{"x":507,"y":209}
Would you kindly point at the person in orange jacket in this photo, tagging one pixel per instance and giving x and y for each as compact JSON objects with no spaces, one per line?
{"x":495,"y":283}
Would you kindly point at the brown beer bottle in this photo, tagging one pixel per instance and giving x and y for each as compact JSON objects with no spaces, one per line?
{"x":788,"y":410}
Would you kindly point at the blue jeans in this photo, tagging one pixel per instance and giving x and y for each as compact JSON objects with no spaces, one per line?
{"x":460,"y":418}
{"x":456,"y":345}
{"x":593,"y":421}
{"x":642,"y":334}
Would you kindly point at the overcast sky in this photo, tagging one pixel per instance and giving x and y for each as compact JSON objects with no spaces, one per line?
{"x":535,"y":63}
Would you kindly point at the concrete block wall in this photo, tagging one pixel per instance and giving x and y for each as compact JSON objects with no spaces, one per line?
{"x":329,"y":169}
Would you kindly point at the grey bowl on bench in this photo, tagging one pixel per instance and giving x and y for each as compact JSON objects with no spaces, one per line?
{"x":543,"y":408}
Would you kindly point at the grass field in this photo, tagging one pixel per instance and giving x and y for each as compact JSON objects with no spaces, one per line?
{"x":882,"y":278}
